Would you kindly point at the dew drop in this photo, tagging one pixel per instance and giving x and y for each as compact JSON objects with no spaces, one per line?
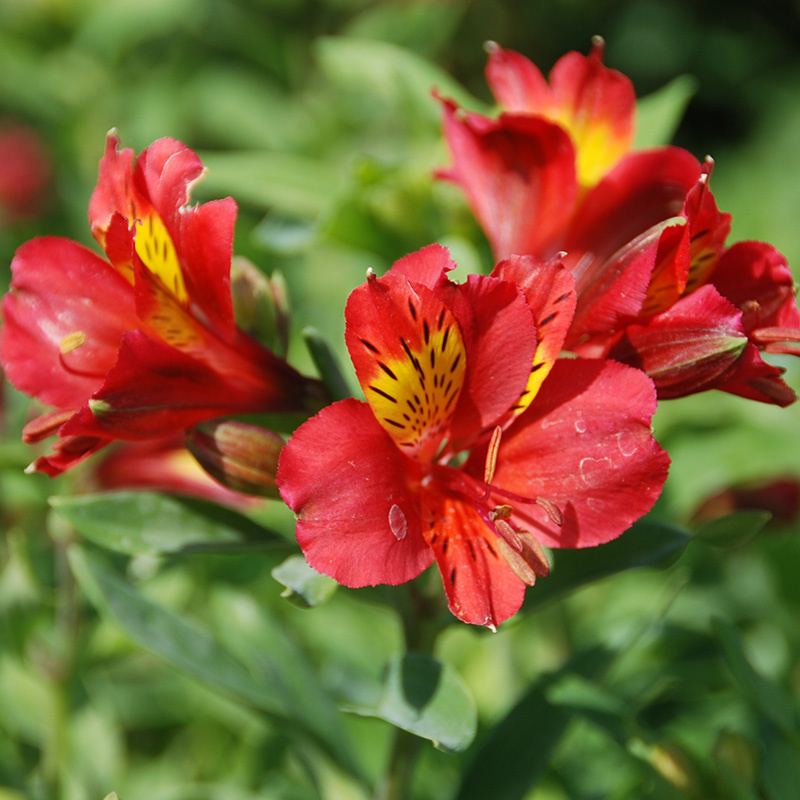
{"x":580,"y":426}
{"x":594,"y":470}
{"x":398,"y":522}
{"x":627,"y":444}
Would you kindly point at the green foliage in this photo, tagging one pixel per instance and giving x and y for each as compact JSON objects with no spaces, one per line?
{"x":146,"y":642}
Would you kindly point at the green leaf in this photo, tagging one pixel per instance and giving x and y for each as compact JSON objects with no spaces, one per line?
{"x":293,"y":184}
{"x":277,"y":688}
{"x":399,"y":76}
{"x":733,"y":530}
{"x":327,"y":364}
{"x":273,"y":658}
{"x":428,"y":698}
{"x":516,"y":752}
{"x":165,"y":634}
{"x":648,"y":543}
{"x":781,"y":770}
{"x":305,"y":587}
{"x":766,"y":697}
{"x":146,"y":522}
{"x":659,"y":114}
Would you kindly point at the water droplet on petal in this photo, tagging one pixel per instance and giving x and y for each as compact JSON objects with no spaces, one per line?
{"x":580,"y":426}
{"x":398,"y":522}
{"x":627,"y":443}
{"x":594,"y":471}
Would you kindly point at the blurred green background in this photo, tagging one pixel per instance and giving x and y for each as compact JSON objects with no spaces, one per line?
{"x":317,"y":117}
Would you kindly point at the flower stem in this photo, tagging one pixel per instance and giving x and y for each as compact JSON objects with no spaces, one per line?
{"x":418,"y":616}
{"x":396,"y":783}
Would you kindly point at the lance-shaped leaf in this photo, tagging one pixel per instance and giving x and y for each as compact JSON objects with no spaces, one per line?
{"x":147,"y":522}
{"x":190,"y":648}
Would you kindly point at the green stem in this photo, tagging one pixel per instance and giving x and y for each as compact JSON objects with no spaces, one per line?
{"x":420,"y":629}
{"x":396,"y":782}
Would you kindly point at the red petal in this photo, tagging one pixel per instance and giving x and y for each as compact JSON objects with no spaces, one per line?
{"x":518,"y":174}
{"x":500,"y":341}
{"x":549,"y":289}
{"x":164,"y":174}
{"x":357,"y":515}
{"x":481,"y":587}
{"x":62,"y":321}
{"x":597,"y":105}
{"x":755,"y":277}
{"x":204,"y":243}
{"x":516,"y":82}
{"x":585,"y":445}
{"x":756,"y":380}
{"x":67,"y":451}
{"x":644,"y":189}
{"x":611,"y":294}
{"x":155,"y":389}
{"x":113,"y":194}
{"x":428,"y":266}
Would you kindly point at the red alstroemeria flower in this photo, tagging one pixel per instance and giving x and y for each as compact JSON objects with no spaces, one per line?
{"x":458,"y":456}
{"x":143,"y":344}
{"x":25,"y":172}
{"x":558,"y":155}
{"x":594,"y":104}
{"x":642,"y":242}
{"x":710,"y":309}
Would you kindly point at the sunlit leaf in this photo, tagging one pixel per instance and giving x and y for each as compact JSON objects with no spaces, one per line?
{"x":428,"y":698}
{"x":659,"y":114}
{"x":295,"y":185}
{"x":399,"y":76}
{"x":304,"y":586}
{"x":147,"y":522}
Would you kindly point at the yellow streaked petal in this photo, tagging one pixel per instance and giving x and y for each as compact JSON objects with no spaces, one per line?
{"x":157,"y":252}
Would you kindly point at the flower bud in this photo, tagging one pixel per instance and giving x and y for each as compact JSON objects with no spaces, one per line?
{"x":696,"y":345}
{"x":261,"y":304}
{"x":239,"y":455}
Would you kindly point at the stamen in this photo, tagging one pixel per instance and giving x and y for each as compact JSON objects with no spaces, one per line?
{"x":508,"y":535}
{"x":491,"y":456}
{"x":72,"y":341}
{"x":553,"y":511}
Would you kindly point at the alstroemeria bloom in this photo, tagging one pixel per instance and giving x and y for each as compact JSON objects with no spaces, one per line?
{"x":708,"y":309}
{"x":144,"y":343}
{"x":557,"y":153}
{"x":475,"y":447}
{"x":641,"y":242}
{"x":594,"y":104}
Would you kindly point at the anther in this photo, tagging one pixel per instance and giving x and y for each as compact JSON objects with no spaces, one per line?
{"x":491,"y":455}
{"x":553,"y":511}
{"x":72,"y":341}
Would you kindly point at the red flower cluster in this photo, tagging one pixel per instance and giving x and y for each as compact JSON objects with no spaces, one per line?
{"x":141,"y":344}
{"x":657,"y":286}
{"x":477,"y":446}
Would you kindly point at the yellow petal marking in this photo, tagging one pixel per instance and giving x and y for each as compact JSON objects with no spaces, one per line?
{"x":155,"y":248}
{"x":413,"y":396}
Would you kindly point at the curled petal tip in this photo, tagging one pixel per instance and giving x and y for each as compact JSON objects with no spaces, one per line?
{"x":598,"y":46}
